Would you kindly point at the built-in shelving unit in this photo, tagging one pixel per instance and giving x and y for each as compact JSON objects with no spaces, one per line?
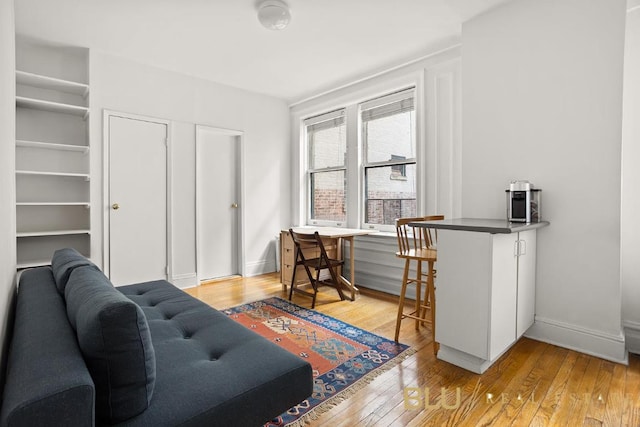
{"x":52,"y":163}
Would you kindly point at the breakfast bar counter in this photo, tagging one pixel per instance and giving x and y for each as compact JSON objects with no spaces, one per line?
{"x":482,"y":225}
{"x":485,"y":288}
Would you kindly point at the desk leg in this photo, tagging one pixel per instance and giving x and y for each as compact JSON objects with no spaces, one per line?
{"x":350,"y":284}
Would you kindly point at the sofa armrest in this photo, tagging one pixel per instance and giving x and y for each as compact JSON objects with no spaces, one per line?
{"x":47,"y":381}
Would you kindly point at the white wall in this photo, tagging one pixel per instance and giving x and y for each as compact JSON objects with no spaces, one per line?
{"x":7,"y":172}
{"x":630,"y":227}
{"x":542,"y":99}
{"x":125,"y":86}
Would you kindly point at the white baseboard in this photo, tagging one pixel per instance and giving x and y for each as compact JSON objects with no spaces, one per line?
{"x":183,"y":281}
{"x":632,"y":336}
{"x":606,"y":346}
{"x":259,"y":267}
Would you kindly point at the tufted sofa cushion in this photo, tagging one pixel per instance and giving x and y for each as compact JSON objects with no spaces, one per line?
{"x":234,"y":377}
{"x":115,"y":341}
{"x":64,"y":261}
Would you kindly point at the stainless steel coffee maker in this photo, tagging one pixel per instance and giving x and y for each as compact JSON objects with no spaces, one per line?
{"x":523,"y":202}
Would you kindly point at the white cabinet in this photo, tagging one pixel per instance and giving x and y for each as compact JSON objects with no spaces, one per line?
{"x":485,"y":294}
{"x":52,"y":167}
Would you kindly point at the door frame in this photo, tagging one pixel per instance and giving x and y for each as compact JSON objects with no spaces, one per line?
{"x":239,"y":170}
{"x":106,"y":190}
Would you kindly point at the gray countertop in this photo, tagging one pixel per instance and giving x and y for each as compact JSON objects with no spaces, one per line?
{"x":492,"y":226}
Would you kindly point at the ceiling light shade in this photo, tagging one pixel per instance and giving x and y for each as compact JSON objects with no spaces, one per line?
{"x":274,"y":14}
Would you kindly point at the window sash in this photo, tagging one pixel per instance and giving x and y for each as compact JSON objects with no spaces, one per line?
{"x":334,"y":203}
{"x":328,"y":203}
{"x":380,"y":207}
{"x":316,"y":124}
{"x":378,"y":212}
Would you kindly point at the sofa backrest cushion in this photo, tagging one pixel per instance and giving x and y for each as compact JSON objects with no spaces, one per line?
{"x":115,"y":341}
{"x":47,"y":382}
{"x":63,"y":263}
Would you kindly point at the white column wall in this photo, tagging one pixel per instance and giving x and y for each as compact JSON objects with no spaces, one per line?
{"x":542,"y":100}
{"x":630,"y":226}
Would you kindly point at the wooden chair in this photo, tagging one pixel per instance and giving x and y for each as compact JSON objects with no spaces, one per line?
{"x":418,"y":244}
{"x":306,"y":243}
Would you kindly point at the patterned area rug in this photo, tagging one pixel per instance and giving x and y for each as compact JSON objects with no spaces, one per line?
{"x":344,"y":358}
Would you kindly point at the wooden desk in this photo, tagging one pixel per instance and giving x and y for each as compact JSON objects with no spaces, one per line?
{"x":287,"y":254}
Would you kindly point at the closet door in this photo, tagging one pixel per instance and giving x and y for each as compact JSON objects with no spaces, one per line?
{"x":137,"y":200}
{"x":218,"y":203}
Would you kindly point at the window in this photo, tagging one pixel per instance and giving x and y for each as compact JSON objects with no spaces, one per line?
{"x":389,"y":160}
{"x":327,"y":149}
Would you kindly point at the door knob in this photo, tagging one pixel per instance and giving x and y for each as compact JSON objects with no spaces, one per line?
{"x":115,"y":206}
{"x":234,"y":205}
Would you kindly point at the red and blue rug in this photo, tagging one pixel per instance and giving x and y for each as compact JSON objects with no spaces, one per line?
{"x":344,"y":358}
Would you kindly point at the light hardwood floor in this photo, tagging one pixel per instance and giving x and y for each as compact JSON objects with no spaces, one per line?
{"x":533,"y":384}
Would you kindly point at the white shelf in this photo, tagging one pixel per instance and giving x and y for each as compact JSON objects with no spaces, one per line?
{"x":85,"y":204}
{"x":52,"y":83}
{"x":56,"y":107}
{"x":33,"y":264}
{"x":60,"y":174}
{"x":52,"y":146}
{"x":50,"y":233}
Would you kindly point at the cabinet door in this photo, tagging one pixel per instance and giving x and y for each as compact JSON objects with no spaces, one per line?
{"x":503,"y":293}
{"x":526,"y":281}
{"x":463,"y":291}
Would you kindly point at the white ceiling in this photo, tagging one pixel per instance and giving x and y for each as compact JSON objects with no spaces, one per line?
{"x":328,"y":43}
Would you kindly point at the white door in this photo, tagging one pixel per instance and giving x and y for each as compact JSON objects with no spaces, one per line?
{"x":137,"y":200}
{"x":218,"y":205}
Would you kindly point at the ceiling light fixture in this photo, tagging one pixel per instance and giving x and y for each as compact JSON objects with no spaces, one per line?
{"x":274,"y":14}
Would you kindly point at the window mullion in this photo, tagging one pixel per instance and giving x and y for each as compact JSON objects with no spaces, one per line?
{"x":354,"y":182}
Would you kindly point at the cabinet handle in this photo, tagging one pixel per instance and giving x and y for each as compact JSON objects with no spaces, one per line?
{"x":519,"y":248}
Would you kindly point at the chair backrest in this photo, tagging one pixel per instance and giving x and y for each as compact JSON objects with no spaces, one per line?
{"x":307,"y":240}
{"x":303,"y":240}
{"x":416,"y":237}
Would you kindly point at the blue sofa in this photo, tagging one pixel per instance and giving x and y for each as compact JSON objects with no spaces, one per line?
{"x":85,"y":353}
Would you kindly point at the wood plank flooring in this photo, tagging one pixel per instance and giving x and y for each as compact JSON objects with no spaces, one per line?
{"x":533,"y":384}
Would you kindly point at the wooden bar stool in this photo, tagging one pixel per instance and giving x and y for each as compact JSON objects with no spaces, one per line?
{"x":418,"y":244}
